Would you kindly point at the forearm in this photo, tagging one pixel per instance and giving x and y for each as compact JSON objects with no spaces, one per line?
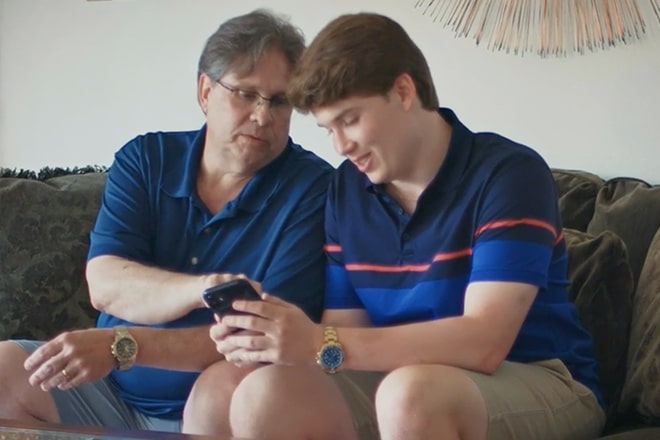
{"x":140,"y":293}
{"x":182,"y":349}
{"x":478,"y":340}
{"x":463,"y":342}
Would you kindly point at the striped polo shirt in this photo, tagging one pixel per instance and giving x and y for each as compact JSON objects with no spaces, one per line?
{"x":489,"y":214}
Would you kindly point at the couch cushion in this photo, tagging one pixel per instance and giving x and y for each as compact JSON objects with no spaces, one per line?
{"x":636,"y":434}
{"x":631,"y":209}
{"x":641,"y":391}
{"x":44,"y":237}
{"x":602,"y":288}
{"x":576,"y":195}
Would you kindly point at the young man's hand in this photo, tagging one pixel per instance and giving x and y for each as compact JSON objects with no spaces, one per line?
{"x":279,"y":333}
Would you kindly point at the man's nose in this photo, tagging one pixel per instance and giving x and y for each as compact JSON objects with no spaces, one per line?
{"x":342,"y":145}
{"x":261,"y":112}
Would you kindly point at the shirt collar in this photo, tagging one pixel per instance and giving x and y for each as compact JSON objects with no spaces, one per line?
{"x":179,"y":180}
{"x":450,"y":174}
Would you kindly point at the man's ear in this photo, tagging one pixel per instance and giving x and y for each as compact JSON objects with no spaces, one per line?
{"x":404,"y":88}
{"x":204,"y":85}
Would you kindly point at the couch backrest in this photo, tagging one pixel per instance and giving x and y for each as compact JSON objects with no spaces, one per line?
{"x":44,"y":238}
{"x":641,"y":391}
{"x":576,"y":194}
{"x":627,"y":211}
{"x":626,"y":206}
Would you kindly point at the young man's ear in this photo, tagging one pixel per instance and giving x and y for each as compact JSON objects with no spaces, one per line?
{"x":404,"y":88}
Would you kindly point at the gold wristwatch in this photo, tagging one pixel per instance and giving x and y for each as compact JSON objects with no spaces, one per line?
{"x":124,"y":348}
{"x":331,"y":355}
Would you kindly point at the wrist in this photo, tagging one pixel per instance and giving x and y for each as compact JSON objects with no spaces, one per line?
{"x":124,"y":348}
{"x":317,"y":341}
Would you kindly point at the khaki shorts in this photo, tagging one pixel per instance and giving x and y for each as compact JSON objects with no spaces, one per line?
{"x":548,"y":403}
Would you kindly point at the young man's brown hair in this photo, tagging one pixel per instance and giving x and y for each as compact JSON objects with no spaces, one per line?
{"x":358,"y":55}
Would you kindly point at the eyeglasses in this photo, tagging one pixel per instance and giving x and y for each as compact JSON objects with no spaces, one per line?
{"x":251,"y":99}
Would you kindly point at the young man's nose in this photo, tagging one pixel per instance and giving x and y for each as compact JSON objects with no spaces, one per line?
{"x":343,"y":145}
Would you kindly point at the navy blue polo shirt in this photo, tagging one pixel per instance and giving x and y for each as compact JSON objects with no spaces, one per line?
{"x":490,"y":214}
{"x":272,"y":232}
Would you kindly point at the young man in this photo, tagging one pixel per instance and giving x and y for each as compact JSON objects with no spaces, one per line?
{"x":183,"y":211}
{"x":446,"y":308}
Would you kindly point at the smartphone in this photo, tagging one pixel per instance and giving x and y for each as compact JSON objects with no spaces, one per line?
{"x":220,"y":298}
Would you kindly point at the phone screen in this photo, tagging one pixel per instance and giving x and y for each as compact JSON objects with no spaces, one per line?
{"x":220,"y":298}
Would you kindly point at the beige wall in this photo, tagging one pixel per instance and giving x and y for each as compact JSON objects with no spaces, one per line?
{"x":78,"y":79}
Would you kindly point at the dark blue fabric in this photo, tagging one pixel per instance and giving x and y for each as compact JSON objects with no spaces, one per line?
{"x":490,"y":214}
{"x":272,"y":232}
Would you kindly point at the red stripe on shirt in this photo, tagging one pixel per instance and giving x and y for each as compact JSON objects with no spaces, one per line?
{"x":443,"y":256}
{"x":452,"y":255}
{"x":332,"y":248}
{"x":511,"y":223}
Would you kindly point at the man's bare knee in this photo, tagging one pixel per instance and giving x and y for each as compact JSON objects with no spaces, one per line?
{"x":290,"y":402}
{"x":18,"y":399}
{"x":207,"y":408}
{"x":430,"y":400}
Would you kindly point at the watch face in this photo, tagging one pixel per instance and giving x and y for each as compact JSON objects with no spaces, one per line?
{"x":331,"y":357}
{"x":125,"y":348}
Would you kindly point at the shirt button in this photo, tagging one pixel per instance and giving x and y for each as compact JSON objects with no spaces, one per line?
{"x":405,"y":236}
{"x":194,"y":261}
{"x":208,"y":230}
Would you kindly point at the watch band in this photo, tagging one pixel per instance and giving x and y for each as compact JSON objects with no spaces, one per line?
{"x":331,"y":355}
{"x":330,"y":335}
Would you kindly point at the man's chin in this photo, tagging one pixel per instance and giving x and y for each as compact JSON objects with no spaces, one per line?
{"x":375,"y":178}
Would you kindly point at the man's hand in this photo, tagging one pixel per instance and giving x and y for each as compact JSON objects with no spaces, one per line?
{"x":214,"y":279}
{"x":279,"y":333}
{"x":71,"y":359}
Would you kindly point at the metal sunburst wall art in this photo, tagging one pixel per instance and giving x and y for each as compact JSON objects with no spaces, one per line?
{"x":545,"y":27}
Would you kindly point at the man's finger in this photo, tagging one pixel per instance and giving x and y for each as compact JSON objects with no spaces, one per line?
{"x":246,"y":357}
{"x":47,"y":371}
{"x":275,"y":300}
{"x":249,"y":342}
{"x":41,"y":355}
{"x":255,"y":323}
{"x":220,"y":331}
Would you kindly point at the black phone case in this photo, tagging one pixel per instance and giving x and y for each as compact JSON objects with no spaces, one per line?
{"x":220,"y":298}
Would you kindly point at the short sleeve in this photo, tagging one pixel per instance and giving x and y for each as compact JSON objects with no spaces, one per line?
{"x":122,"y":225}
{"x":518,"y":224}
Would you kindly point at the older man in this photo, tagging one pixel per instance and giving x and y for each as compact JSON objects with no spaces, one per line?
{"x":181,"y":212}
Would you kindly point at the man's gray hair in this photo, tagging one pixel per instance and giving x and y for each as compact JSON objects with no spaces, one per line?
{"x":240,"y":42}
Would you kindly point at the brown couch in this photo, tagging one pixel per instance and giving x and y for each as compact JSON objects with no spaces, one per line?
{"x":613,"y":239}
{"x":611,"y":230}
